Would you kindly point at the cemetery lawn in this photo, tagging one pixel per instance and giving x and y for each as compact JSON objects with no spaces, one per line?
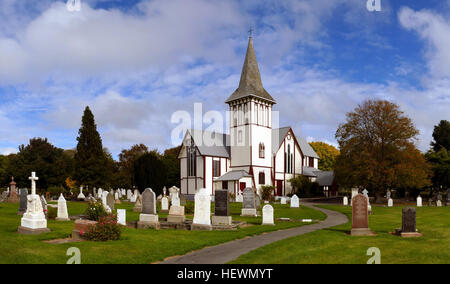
{"x":135,"y":246}
{"x":334,"y":245}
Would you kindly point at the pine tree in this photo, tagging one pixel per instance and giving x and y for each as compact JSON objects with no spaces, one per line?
{"x":91,"y":163}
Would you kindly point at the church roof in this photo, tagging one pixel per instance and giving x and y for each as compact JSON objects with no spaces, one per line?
{"x":233,"y":175}
{"x":307,"y":150}
{"x":251,"y":83}
{"x":278,"y":135}
{"x":325,"y":178}
{"x":218,"y":144}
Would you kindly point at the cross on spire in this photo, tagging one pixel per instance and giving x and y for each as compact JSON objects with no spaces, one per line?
{"x":33,"y":179}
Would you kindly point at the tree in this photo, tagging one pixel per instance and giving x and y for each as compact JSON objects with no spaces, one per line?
{"x":441,"y":136}
{"x":50,"y":163}
{"x":327,"y":154}
{"x":92,"y":166}
{"x":303,"y":186}
{"x":150,"y":171}
{"x":440,"y":165}
{"x":172,"y":164}
{"x":126,"y":163}
{"x":378,"y":151}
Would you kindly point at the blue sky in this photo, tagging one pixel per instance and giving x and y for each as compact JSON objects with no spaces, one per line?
{"x":137,"y":62}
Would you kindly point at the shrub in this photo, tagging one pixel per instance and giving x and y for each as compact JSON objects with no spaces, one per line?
{"x":52,"y":213}
{"x":106,"y":229}
{"x":267,"y":192}
{"x":189,"y":208}
{"x":95,"y":211}
{"x":305,"y":187}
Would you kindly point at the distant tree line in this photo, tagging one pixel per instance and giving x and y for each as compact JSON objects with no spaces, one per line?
{"x":90,"y":164}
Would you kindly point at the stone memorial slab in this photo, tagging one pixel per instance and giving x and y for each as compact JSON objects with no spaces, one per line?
{"x":202,"y":210}
{"x":283,"y":200}
{"x":81,"y":195}
{"x":110,"y":201}
{"x":176,"y":215}
{"x":23,"y":201}
{"x":295,"y":202}
{"x":360,"y":218}
{"x":390,"y":202}
{"x":419,"y":201}
{"x":175,"y":200}
{"x":267,"y":213}
{"x":257,"y":201}
{"x":13,"y":196}
{"x":409,"y":223}
{"x":138,"y":204}
{"x":148,"y":218}
{"x":355,"y":192}
{"x":248,"y":203}
{"x":122,"y":217}
{"x":164,"y":204}
{"x":345,"y":201}
{"x":221,"y":209}
{"x":62,"y":214}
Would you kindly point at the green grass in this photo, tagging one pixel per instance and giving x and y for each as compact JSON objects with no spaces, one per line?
{"x":334,"y":245}
{"x":136,"y":246}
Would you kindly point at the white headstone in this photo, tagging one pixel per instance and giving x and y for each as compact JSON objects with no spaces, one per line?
{"x":419,"y":201}
{"x":34,"y":217}
{"x":129,"y":194}
{"x":81,"y":195}
{"x":283,"y":200}
{"x":165,"y":204}
{"x":345,"y":200}
{"x":121,"y":217}
{"x":239,"y":197}
{"x":390,"y":202}
{"x":99,"y":193}
{"x":116,"y":196}
{"x":439,"y":203}
{"x":295,"y":202}
{"x":354,"y":193}
{"x":175,"y":200}
{"x":267,"y":213}
{"x":202,"y":212}
{"x":62,"y":209}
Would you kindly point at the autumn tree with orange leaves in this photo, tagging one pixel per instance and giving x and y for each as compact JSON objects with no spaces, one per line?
{"x":378,"y":151}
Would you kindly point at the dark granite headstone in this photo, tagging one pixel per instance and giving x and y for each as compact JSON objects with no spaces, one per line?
{"x":248,"y":198}
{"x":360,"y":217}
{"x":110,"y":200}
{"x":149,"y":202}
{"x":23,"y":201}
{"x":409,"y":220}
{"x":221,"y":203}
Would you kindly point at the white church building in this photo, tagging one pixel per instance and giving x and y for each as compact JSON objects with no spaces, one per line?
{"x":253,"y":154}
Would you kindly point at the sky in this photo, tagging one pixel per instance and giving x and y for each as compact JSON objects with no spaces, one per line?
{"x":135,"y":63}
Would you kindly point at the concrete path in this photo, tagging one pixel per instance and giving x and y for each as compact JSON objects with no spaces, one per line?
{"x":229,"y":251}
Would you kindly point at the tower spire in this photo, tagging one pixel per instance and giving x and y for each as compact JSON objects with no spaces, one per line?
{"x":250,"y":83}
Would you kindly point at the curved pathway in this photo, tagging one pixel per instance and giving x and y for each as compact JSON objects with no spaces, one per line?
{"x":229,"y":251}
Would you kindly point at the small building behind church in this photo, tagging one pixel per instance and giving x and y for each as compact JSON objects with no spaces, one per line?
{"x":254,"y":154}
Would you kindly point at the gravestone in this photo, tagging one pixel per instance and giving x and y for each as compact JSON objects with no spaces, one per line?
{"x":257,"y":201}
{"x":174,"y":191}
{"x":295,"y":202}
{"x":419,"y":201}
{"x":175,"y":200}
{"x":23,"y":201}
{"x":239,"y":197}
{"x":390,"y":202}
{"x":248,"y":203}
{"x":44,"y":203}
{"x":202,"y":210}
{"x":283,"y":200}
{"x":221,"y":208}
{"x":148,"y":218}
{"x":13,"y":197}
{"x":182,"y":199}
{"x":121,"y":217}
{"x":354,"y":193}
{"x":110,"y":201}
{"x":345,"y":201}
{"x":164,"y":204}
{"x":388,"y":194}
{"x":81,"y":195}
{"x":62,"y":215}
{"x":439,"y":199}
{"x":33,"y":220}
{"x":176,"y":215}
{"x":267,"y":213}
{"x":129,"y":194}
{"x":99,"y":193}
{"x":409,"y":223}
{"x":360,"y":218}
{"x":138,"y":204}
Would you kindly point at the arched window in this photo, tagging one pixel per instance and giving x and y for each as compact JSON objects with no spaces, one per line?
{"x":234,"y":116}
{"x":262,"y":178}
{"x":191,"y":159}
{"x":246,"y":113}
{"x":288,"y":160}
{"x":262,"y":150}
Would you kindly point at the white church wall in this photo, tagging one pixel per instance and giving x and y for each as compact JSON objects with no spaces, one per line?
{"x":209,"y":174}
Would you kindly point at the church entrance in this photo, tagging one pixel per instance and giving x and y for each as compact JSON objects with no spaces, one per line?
{"x":279,"y":189}
{"x":242,"y":186}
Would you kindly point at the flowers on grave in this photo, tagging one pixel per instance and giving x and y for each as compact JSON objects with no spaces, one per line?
{"x":95,"y":211}
{"x":106,"y":229}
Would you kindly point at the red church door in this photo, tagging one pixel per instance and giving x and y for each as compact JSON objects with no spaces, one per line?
{"x":279,"y":188}
{"x":242,"y":186}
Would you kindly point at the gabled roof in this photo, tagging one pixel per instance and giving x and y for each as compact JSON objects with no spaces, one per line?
{"x":233,"y":175}
{"x":251,"y":83}
{"x":307,"y":150}
{"x":309,"y":172}
{"x":211,"y":143}
{"x":325,"y":178}
{"x":278,"y":135}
